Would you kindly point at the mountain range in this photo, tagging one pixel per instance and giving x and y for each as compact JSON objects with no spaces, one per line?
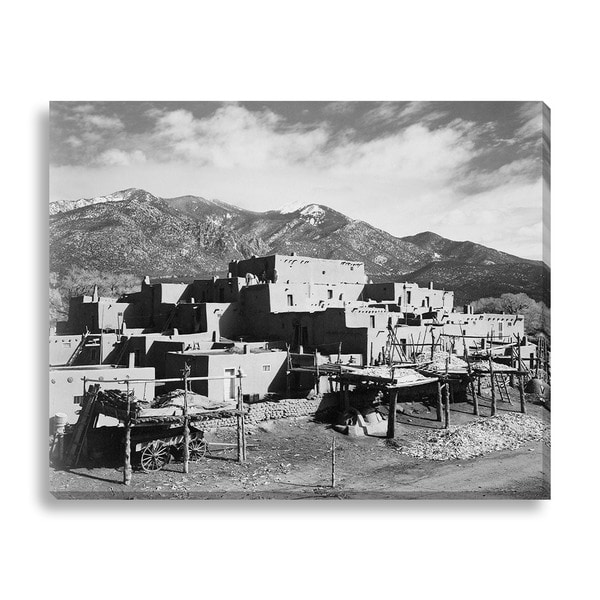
{"x":133,"y":231}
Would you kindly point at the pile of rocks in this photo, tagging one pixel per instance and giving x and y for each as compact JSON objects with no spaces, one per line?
{"x":503,"y":432}
{"x":270,"y":410}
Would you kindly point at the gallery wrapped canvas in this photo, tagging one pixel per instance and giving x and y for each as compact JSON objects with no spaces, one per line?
{"x":261,"y":300}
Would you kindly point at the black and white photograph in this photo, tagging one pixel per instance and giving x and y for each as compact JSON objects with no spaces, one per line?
{"x":325,"y":300}
{"x":289,"y":311}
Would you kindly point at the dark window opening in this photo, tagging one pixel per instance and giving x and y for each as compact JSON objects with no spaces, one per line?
{"x":372,"y":321}
{"x":290,"y":300}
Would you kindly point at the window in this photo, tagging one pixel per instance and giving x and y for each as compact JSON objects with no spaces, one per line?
{"x":408,"y":295}
{"x":329,"y":294}
{"x":266,"y":368}
{"x":290,"y":300}
{"x":372,"y":318}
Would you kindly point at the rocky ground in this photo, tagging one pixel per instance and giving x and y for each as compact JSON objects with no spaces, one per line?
{"x":291,"y":459}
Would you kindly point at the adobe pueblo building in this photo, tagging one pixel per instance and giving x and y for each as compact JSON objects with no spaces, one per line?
{"x":266,"y":309}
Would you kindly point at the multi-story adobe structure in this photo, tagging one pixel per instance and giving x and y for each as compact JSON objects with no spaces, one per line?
{"x":267,"y":303}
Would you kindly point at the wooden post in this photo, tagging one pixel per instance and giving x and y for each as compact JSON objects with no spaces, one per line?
{"x":432,"y":342}
{"x":491,"y":366}
{"x":475,"y":401}
{"x":391,"y":428}
{"x":522,"y":394}
{"x":446,"y":390}
{"x":333,"y":462}
{"x":243,"y":417}
{"x":317,"y":383}
{"x":127,"y":464}
{"x":288,"y":374}
{"x":447,"y":396}
{"x":346,"y":396}
{"x":438,"y":406}
{"x":511,"y":381}
{"x":186,"y":426}
{"x":520,"y":376}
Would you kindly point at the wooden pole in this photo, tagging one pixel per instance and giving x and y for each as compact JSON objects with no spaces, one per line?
{"x":316,"y":372}
{"x":522,"y":394}
{"x":333,"y":462}
{"x":346,"y":396}
{"x":475,"y":400}
{"x":446,"y":397}
{"x":432,"y":342}
{"x":511,"y":381}
{"x":446,"y":391}
{"x":520,"y":376}
{"x":186,"y":426}
{"x":438,"y":406}
{"x":127,"y":464}
{"x":243,"y":418}
{"x":491,"y":366}
{"x":288,"y":373}
{"x":391,"y":428}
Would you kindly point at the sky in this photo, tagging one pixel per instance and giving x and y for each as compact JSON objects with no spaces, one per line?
{"x":465,"y":170}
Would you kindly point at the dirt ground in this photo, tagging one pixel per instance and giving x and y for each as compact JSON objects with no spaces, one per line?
{"x":291,"y":459}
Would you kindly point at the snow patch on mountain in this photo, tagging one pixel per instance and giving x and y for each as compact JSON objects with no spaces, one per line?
{"x":66,"y":205}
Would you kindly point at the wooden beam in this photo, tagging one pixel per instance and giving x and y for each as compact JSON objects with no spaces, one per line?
{"x":438,"y":405}
{"x":186,"y":425}
{"x":333,"y":462}
{"x":127,"y":457}
{"x":446,"y":388}
{"x":391,"y":428}
{"x":491,"y":366}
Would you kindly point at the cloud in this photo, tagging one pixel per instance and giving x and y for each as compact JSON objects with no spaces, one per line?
{"x":530,"y":115}
{"x":234,"y":137}
{"x":102,"y":122}
{"x":119,"y":158}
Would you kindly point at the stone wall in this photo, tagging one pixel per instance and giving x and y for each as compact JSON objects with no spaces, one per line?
{"x":279,"y":409}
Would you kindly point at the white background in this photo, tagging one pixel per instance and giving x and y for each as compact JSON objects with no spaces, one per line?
{"x":299,"y":51}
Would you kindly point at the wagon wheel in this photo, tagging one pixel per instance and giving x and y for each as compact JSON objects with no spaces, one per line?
{"x":197,"y":449}
{"x":155,"y":456}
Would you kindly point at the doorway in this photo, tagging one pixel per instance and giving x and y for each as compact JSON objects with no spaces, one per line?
{"x":229,"y":385}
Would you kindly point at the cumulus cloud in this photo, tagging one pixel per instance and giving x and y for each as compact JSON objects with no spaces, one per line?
{"x":235,"y":137}
{"x":120,"y":158}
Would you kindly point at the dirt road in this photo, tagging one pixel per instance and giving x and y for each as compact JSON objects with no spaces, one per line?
{"x":291,"y":459}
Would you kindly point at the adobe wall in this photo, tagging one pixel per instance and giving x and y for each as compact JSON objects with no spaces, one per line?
{"x":66,"y":386}
{"x":258,"y":380}
{"x":215,"y":290}
{"x":299,"y":269}
{"x":61,"y":348}
{"x":410,"y":296}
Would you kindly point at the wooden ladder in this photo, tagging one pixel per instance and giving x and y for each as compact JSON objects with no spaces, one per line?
{"x":86,"y":416}
{"x":500,"y":380}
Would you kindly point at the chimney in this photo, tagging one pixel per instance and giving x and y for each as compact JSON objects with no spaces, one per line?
{"x":431,"y":285}
{"x":95,"y":294}
{"x":131,"y":362}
